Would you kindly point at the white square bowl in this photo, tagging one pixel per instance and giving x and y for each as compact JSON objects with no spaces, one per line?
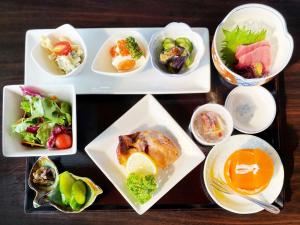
{"x":146,"y":114}
{"x":11,"y":143}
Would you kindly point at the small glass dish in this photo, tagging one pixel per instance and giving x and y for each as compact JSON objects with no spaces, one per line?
{"x":220,"y":112}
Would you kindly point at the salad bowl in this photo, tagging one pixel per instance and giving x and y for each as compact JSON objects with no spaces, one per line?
{"x":40,"y":57}
{"x":255,"y":17}
{"x":11,"y":142}
{"x":176,"y":30}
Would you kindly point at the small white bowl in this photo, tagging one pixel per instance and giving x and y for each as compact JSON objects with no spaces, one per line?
{"x":175,"y":30}
{"x":255,"y":17}
{"x":11,"y":143}
{"x":214,"y":168}
{"x":40,"y":55}
{"x":224,"y":114}
{"x":102,"y":63}
{"x":253,"y":109}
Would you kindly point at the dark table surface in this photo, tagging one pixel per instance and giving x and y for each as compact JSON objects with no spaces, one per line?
{"x":16,"y":17}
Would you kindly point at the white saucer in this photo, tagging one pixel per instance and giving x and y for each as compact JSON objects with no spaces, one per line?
{"x":214,"y":167}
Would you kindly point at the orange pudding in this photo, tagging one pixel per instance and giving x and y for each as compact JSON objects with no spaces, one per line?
{"x":248,"y":171}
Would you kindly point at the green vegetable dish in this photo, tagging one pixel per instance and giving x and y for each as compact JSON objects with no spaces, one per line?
{"x":73,"y":192}
{"x":176,"y":54}
{"x":66,"y":192}
{"x":45,"y":121}
{"x":141,"y":186}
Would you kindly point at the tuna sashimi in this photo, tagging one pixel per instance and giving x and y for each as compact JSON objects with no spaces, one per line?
{"x":260,"y":54}
{"x":244,"y":49}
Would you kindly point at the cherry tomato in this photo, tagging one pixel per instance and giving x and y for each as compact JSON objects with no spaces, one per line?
{"x":63,"y":141}
{"x":62,"y":48}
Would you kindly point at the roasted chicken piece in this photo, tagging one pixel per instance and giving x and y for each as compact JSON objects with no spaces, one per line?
{"x":154,"y":143}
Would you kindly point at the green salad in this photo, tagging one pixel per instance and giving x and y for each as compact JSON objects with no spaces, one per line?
{"x":46,"y":121}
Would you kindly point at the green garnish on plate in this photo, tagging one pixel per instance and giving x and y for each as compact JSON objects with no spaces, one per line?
{"x":141,"y":186}
{"x":236,"y":37}
{"x":133,"y":48}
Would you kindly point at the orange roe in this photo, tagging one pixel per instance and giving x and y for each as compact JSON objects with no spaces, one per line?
{"x":123,"y":51}
{"x":113,"y":52}
{"x":122,"y":46}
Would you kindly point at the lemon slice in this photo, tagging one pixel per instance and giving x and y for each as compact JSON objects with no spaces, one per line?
{"x":140,"y":162}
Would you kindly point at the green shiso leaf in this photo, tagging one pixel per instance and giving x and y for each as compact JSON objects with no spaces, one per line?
{"x":236,"y":37}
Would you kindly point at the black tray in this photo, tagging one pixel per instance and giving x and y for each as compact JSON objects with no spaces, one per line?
{"x":96,"y":112}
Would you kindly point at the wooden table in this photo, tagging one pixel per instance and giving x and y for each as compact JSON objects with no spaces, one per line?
{"x":18,"y":16}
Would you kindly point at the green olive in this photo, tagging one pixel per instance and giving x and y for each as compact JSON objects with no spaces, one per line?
{"x":65,"y":185}
{"x":79,"y":191}
{"x":74,"y":205}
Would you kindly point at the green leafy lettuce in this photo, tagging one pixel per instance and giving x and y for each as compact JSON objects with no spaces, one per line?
{"x":141,"y":186}
{"x":42,"y":114}
{"x":236,"y":37}
{"x":29,"y":137}
{"x":44,"y":132}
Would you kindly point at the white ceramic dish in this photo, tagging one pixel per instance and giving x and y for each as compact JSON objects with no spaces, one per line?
{"x":39,"y":55}
{"x":214,"y":167}
{"x":102,"y":150}
{"x":219,"y":109}
{"x":253,"y":109}
{"x":146,"y":81}
{"x":175,"y":30}
{"x":11,"y":143}
{"x":102,"y":63}
{"x":255,"y":17}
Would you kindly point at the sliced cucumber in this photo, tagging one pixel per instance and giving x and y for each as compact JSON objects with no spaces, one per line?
{"x":168,"y":43}
{"x":188,"y":61}
{"x":184,"y":43}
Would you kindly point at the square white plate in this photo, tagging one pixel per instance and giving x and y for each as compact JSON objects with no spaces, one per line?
{"x":148,"y":81}
{"x":146,"y":114}
{"x":11,"y":143}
